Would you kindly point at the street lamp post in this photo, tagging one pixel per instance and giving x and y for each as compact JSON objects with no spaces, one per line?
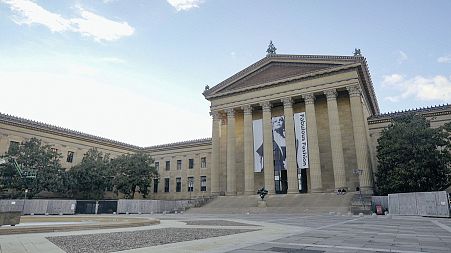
{"x":25,"y":199}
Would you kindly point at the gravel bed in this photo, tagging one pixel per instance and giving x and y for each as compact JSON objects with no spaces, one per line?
{"x":216,"y":223}
{"x":111,"y":242}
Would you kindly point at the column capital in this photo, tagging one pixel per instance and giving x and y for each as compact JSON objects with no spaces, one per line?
{"x":287,"y":102}
{"x":230,"y":113}
{"x":354,"y":90}
{"x":216,"y":115}
{"x":266,"y":106}
{"x":247,"y":109}
{"x":309,"y":98}
{"x":331,"y":94}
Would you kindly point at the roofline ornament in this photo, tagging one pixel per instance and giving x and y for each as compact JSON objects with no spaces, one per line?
{"x":271,"y":49}
{"x":357,"y":52}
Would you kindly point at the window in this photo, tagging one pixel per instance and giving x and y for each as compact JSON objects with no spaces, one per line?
{"x":178,"y":184}
{"x":191,"y":163}
{"x":190,"y":184}
{"x":179,"y":164}
{"x":203,"y":162}
{"x":13,"y":147}
{"x":168,"y":165}
{"x":157,"y":165}
{"x":166,"y":185}
{"x":203,"y":183}
{"x":155,"y":185}
{"x":70,"y":156}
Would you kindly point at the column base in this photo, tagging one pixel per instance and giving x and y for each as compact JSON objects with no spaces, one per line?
{"x":230,"y":194}
{"x":293,"y":192}
{"x":317,"y":191}
{"x":250,"y":193}
{"x":215,"y":194}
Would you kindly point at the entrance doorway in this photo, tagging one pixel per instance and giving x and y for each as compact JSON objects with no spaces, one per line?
{"x":281,"y":182}
{"x":302,"y":180}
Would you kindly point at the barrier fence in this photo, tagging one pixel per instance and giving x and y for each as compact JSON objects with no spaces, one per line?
{"x":122,"y":206}
{"x":420,"y":204}
{"x":38,"y":206}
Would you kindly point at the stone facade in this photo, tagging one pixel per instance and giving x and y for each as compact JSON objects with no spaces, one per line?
{"x":342,"y":118}
{"x":335,"y":92}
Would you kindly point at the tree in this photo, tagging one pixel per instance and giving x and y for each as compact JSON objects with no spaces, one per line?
{"x":134,"y":172}
{"x":31,"y":155}
{"x":91,"y":178}
{"x":412,"y":156}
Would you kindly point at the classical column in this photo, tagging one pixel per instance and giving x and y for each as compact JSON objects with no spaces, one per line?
{"x":313,"y":147}
{"x":215,"y":162}
{"x":360,"y":138}
{"x":248,"y":151}
{"x":231,"y":163}
{"x":268,"y":156}
{"x":292,"y":168}
{"x":335,"y":139}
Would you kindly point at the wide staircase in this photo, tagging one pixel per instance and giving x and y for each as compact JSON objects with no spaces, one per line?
{"x":280,"y":203}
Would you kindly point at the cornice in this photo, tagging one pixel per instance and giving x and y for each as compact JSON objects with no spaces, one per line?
{"x":56,"y":130}
{"x":429,"y":111}
{"x":182,"y":144}
{"x":40,"y":126}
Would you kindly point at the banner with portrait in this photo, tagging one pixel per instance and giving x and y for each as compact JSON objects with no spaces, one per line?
{"x":257,"y":129}
{"x":279,"y":143}
{"x":300,"y":127}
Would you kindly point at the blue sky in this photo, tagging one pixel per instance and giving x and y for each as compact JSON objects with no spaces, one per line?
{"x":134,"y":70}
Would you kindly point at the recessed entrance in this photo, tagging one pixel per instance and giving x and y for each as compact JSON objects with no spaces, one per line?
{"x":280,"y":180}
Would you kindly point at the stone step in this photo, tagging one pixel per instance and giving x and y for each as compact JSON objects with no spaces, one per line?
{"x":289,"y":203}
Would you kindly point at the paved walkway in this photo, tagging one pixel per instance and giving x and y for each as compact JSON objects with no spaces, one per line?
{"x":272,"y":233}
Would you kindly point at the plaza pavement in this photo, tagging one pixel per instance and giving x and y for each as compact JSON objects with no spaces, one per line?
{"x":288,"y":233}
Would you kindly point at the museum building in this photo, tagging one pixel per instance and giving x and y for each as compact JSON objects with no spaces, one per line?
{"x":290,"y":123}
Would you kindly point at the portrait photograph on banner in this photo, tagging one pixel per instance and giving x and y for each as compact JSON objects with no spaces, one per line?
{"x":300,"y":128}
{"x":257,"y":128}
{"x":279,"y":143}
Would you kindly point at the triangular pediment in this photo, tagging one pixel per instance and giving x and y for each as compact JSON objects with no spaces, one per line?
{"x":272,"y":69}
{"x":276,"y":71}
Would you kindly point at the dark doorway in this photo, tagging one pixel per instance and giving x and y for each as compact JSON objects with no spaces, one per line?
{"x":302,"y":180}
{"x":281,"y":182}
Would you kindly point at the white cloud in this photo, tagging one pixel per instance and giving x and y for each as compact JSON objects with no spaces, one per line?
{"x":88,"y":24}
{"x":392,"y":79}
{"x":444,"y":59}
{"x":402,"y":57}
{"x":28,"y":12}
{"x":423,"y":88}
{"x":100,"y":28}
{"x":184,"y":5}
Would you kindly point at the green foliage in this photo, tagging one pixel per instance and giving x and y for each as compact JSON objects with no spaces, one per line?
{"x":88,"y":180}
{"x":134,"y":172}
{"x":91,"y":178}
{"x":33,"y":156}
{"x":412,"y":156}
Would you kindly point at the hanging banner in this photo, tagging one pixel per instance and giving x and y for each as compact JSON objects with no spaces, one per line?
{"x":279,"y":143}
{"x":257,"y":128}
{"x":300,"y":128}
